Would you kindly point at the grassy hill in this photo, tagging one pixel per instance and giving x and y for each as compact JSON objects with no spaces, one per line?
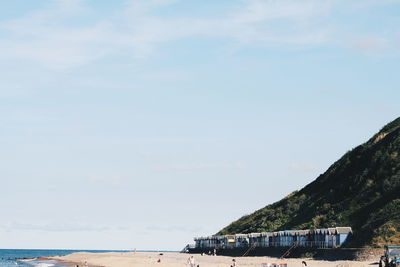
{"x":361,"y":190}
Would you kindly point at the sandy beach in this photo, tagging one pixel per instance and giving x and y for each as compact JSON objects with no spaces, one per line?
{"x":147,"y":259}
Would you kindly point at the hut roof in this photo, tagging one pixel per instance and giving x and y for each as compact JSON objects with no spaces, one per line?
{"x":241,"y":235}
{"x":293,"y":233}
{"x":280,"y":233}
{"x":267,"y":234}
{"x":303,"y":232}
{"x":255,"y":235}
{"x":343,"y":230}
{"x":332,"y":231}
{"x":316,"y":231}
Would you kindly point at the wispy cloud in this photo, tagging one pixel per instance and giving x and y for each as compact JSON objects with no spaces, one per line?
{"x":376,"y":45}
{"x":370,"y":44}
{"x":51,"y":37}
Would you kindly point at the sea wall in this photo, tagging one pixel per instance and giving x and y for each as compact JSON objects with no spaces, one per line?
{"x":301,"y":252}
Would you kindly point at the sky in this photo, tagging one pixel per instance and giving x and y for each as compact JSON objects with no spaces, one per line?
{"x":144,"y":123}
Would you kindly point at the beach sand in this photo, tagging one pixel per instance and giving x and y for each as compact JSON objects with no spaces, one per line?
{"x":148,"y":259}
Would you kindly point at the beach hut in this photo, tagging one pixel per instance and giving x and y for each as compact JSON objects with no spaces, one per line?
{"x":318,"y":237}
{"x":330,"y":238}
{"x":343,"y":235}
{"x":254,"y":239}
{"x":290,"y":238}
{"x":213,"y":242}
{"x":281,"y":239}
{"x":265,"y":239}
{"x":303,"y":237}
{"x":202,"y":242}
{"x":220,"y":242}
{"x":242,"y":240}
{"x":230,"y":241}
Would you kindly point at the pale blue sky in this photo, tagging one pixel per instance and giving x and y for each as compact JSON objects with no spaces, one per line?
{"x":140,"y":124}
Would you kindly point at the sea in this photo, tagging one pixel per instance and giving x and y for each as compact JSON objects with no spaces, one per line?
{"x":29,"y":257}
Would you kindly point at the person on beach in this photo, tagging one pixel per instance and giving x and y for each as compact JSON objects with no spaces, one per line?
{"x":303,"y":264}
{"x":191,"y":262}
{"x":233,"y":263}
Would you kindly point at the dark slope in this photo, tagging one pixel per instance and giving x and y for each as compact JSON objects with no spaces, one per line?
{"x":361,"y":190}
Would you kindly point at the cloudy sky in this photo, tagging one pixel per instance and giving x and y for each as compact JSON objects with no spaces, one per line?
{"x":142,"y":123}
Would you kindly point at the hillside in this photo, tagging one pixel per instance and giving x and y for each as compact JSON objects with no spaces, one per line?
{"x":361,"y":190}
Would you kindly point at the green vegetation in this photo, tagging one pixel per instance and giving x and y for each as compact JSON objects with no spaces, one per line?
{"x":361,"y":190}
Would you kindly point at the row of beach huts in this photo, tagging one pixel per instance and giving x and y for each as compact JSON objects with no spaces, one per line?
{"x":318,"y":238}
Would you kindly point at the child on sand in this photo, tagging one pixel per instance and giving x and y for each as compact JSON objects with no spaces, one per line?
{"x":190,"y":262}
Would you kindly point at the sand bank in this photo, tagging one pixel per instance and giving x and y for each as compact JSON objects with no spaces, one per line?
{"x":145,"y":259}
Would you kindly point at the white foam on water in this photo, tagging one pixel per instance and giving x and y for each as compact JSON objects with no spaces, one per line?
{"x":42,"y":264}
{"x":36,"y":263}
{"x":27,"y":260}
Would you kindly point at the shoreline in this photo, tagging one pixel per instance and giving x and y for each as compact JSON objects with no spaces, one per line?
{"x":61,"y":262}
{"x":44,"y":262}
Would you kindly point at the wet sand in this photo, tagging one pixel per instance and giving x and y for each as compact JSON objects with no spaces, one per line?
{"x":148,"y":259}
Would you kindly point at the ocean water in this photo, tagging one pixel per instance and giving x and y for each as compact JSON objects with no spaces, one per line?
{"x":28,"y":257}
